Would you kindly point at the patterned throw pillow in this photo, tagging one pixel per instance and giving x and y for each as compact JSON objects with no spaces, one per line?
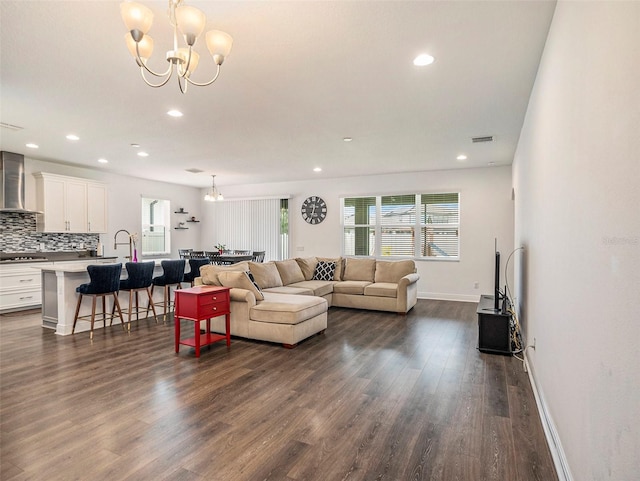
{"x":250,"y":276}
{"x":324,"y":271}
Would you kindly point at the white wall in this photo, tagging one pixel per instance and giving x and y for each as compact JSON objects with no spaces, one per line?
{"x":577,"y":183}
{"x":486,"y":213}
{"x":124,"y":206}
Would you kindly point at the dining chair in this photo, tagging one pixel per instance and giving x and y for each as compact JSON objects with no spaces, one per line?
{"x":242,"y":253}
{"x":197,"y":255}
{"x":104,"y":281}
{"x":258,"y":256}
{"x":184,"y":253}
{"x":214,"y":257}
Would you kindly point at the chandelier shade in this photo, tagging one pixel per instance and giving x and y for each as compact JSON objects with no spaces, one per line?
{"x":190,"y":23}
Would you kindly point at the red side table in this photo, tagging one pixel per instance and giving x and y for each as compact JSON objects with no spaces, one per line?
{"x":198,"y":304}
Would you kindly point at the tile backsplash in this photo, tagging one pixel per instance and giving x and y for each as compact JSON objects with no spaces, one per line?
{"x":18,"y":234}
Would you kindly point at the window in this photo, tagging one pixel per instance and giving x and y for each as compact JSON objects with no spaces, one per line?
{"x":155,"y":226}
{"x":405,"y":225}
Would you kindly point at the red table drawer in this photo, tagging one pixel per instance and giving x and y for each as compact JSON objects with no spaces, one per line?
{"x":214,"y":298}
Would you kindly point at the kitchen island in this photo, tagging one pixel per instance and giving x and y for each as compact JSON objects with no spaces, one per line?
{"x":59,"y":297}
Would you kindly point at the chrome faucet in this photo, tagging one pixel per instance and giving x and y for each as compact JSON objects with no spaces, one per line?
{"x":116,"y":243}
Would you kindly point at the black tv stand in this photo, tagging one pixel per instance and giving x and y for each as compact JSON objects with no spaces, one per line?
{"x":494,"y":334}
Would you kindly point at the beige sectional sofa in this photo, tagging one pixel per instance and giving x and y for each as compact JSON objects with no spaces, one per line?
{"x":287,"y":301}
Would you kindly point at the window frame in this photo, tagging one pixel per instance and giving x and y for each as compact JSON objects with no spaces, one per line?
{"x":145,"y":228}
{"x":377,"y":226}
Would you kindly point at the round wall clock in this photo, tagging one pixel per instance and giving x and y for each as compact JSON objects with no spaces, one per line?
{"x":314,"y":210}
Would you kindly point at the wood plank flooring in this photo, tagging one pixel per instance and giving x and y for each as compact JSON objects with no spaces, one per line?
{"x":377,"y":397}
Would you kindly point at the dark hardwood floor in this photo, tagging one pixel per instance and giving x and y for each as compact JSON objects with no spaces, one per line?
{"x":377,"y":397}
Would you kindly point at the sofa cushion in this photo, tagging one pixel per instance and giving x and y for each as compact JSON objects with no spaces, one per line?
{"x":265,"y":274}
{"x":359,"y":269}
{"x":339,"y":266}
{"x":287,"y":309}
{"x":350,"y":287}
{"x":325,"y":271}
{"x":290,"y":271}
{"x":318,"y":288}
{"x":393,"y":271}
{"x":290,"y":289}
{"x":239,"y":280}
{"x":307,"y":266}
{"x":382,"y":289}
{"x":209,"y":273}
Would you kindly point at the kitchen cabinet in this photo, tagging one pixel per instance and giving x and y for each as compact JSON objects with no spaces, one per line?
{"x":96,"y":207}
{"x":20,"y":286}
{"x":70,"y":204}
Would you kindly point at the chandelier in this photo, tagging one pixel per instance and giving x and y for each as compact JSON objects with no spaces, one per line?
{"x":190,"y":21}
{"x":214,"y":194}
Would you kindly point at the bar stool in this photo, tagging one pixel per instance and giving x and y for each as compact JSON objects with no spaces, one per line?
{"x":140,"y":275}
{"x":105,"y":280}
{"x":172,"y":276}
{"x":195,"y":265}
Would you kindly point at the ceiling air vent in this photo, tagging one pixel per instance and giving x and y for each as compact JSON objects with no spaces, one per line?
{"x":194,"y":171}
{"x":488,"y":138}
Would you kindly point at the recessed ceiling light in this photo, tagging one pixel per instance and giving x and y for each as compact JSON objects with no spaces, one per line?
{"x":103,"y":161}
{"x":317,"y":169}
{"x":73,"y":137}
{"x":423,"y":59}
{"x":143,"y":154}
{"x":347,"y":139}
{"x":491,"y":164}
{"x":461,"y":157}
{"x":32,"y":146}
{"x":174,"y":113}
{"x":135,"y":146}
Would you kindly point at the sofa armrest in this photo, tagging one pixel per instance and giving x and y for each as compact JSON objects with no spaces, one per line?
{"x":242,"y":295}
{"x":408,"y":279}
{"x":407,"y":291}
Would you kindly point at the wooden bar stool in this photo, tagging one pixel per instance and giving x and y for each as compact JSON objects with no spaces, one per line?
{"x":105,"y":281}
{"x":139,"y":278}
{"x":172,"y":276}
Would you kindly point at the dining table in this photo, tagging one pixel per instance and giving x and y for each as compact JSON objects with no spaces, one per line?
{"x":231,"y":258}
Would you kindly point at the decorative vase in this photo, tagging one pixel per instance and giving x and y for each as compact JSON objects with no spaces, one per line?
{"x":135,"y":255}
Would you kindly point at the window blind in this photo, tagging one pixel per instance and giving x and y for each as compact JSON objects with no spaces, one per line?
{"x":255,"y":225}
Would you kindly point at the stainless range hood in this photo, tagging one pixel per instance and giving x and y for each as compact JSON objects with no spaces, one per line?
{"x":12,"y":183}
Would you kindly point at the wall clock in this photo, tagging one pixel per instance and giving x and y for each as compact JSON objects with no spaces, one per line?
{"x":314,"y":210}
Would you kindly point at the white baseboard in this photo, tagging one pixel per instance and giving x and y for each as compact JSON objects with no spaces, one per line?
{"x":550,"y":432}
{"x":443,"y":296}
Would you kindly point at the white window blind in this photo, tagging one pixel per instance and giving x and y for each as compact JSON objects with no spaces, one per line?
{"x":253,"y":225}
{"x":404,"y":225}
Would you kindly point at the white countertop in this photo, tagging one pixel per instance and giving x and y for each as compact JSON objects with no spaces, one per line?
{"x":79,"y":266}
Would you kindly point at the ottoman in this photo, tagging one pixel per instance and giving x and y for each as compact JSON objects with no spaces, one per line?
{"x":287,"y":318}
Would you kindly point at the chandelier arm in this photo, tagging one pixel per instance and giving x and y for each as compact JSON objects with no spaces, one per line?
{"x":183,"y":89}
{"x":142,"y":64}
{"x":206,"y":83}
{"x":164,"y":82}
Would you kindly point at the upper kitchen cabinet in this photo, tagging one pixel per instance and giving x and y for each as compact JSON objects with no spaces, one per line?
{"x":96,"y":207}
{"x":70,"y":204}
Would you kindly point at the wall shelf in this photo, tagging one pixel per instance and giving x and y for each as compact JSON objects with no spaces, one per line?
{"x":180,"y":212}
{"x":193,"y":221}
{"x":181,"y":228}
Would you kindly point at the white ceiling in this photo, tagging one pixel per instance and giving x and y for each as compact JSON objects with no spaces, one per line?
{"x":301,"y":76}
